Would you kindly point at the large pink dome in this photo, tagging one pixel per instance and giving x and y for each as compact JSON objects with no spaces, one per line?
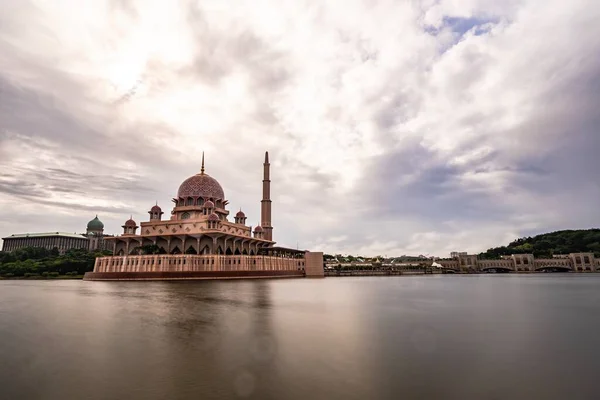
{"x":201,"y":185}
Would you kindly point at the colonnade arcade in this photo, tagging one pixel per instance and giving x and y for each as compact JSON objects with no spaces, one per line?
{"x":190,"y":244}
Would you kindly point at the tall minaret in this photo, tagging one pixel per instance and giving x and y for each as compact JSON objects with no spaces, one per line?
{"x":265,"y":204}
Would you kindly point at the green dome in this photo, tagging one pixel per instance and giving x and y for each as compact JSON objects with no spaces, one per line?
{"x":95,"y":225}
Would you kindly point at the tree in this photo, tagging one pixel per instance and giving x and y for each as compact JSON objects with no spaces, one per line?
{"x":548,"y":244}
{"x":39,"y":261}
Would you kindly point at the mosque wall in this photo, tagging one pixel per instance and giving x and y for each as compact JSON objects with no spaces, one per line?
{"x":314,"y":264}
{"x":179,"y":244}
{"x":197,"y":263}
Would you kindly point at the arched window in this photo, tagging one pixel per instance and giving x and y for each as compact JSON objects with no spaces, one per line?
{"x":190,"y":201}
{"x":199,"y":201}
{"x":191,"y":250}
{"x":185,"y":215}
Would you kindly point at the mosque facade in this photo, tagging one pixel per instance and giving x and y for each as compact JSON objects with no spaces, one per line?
{"x":199,"y":241}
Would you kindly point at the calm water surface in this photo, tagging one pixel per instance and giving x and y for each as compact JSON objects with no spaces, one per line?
{"x":428,"y":337}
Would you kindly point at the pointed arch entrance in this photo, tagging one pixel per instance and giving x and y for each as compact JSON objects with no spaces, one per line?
{"x":191,"y":250}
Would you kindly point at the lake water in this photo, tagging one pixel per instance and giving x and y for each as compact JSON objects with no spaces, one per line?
{"x":420,"y":337}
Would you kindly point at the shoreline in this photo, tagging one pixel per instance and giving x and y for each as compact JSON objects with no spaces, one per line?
{"x":40,"y":278}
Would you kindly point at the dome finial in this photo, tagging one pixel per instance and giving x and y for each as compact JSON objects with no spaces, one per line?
{"x":202,"y":169}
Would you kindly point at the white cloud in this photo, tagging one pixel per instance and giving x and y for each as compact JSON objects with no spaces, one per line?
{"x":393,"y":127}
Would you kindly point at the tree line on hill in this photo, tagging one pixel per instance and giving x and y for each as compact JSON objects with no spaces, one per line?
{"x":549,"y":244}
{"x":38,"y":261}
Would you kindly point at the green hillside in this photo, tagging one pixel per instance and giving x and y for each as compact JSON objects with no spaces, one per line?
{"x":547,"y":244}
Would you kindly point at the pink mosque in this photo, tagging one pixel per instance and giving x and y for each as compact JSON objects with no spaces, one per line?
{"x":199,"y":242}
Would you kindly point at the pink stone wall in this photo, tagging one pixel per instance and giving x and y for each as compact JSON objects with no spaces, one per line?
{"x":187,"y":263}
{"x":314,"y":264}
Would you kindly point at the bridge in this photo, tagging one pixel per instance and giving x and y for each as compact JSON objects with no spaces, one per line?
{"x":497,"y":269}
{"x":377,"y":272}
{"x":553,"y":268}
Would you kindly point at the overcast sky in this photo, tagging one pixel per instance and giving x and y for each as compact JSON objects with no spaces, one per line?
{"x":393,"y":127}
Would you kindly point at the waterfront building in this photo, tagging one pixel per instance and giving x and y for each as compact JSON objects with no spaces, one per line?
{"x":199,"y":241}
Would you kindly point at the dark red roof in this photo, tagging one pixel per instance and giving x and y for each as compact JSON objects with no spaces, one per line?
{"x":201,"y":185}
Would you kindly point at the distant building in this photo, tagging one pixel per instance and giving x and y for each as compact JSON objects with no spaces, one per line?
{"x":93,"y":239}
{"x":576,"y":262}
{"x":60,"y":240}
{"x":96,"y":237}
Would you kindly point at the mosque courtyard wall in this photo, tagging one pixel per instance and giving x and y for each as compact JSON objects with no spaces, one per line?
{"x":185,"y":262}
{"x":184,"y":266}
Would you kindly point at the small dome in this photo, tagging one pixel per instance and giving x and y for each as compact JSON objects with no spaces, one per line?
{"x":240,"y":214}
{"x":258,"y":229}
{"x":130,"y":222}
{"x":209,"y":204}
{"x":156,"y":208}
{"x":95,"y":224}
{"x":213,"y":217}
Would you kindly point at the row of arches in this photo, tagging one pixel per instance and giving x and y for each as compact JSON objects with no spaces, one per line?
{"x":140,"y":250}
{"x":196,"y":201}
{"x":205,"y":245}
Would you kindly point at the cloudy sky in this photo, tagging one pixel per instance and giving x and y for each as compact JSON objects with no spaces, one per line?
{"x":394,"y":127}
